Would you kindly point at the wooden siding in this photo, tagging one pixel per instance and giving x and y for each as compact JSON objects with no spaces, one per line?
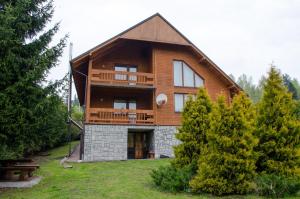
{"x":156,"y":29}
{"x":163,"y":66}
{"x":155,"y":61}
{"x":104,"y":97}
{"x":130,"y":53}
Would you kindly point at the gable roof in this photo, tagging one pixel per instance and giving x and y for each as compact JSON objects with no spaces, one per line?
{"x":156,"y":29}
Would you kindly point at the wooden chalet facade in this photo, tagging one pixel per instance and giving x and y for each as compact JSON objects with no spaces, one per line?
{"x":119,"y":80}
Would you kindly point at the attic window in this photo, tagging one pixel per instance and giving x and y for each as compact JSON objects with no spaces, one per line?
{"x":185,"y":76}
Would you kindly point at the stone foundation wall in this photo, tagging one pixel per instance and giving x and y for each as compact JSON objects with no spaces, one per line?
{"x":109,"y":142}
{"x":164,"y":139}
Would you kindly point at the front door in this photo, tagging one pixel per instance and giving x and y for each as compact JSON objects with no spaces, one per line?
{"x":139,"y":145}
{"x":136,"y":145}
{"x":131,"y":146}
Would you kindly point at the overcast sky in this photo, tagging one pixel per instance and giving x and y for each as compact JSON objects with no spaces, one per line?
{"x":239,"y":36}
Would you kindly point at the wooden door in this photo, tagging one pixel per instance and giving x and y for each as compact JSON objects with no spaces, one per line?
{"x":130,"y":146}
{"x":139,"y":140}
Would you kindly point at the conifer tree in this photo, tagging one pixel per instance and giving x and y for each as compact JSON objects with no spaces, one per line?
{"x":278,"y":129}
{"x":227,"y":165}
{"x":287,"y":81}
{"x":192,"y":133}
{"x":30,"y":109}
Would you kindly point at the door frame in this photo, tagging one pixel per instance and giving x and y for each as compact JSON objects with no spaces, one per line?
{"x":146,"y":142}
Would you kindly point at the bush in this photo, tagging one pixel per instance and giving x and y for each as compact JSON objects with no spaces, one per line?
{"x":170,"y":178}
{"x":275,"y":186}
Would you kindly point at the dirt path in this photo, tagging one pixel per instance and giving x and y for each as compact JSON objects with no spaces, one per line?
{"x":75,"y":155}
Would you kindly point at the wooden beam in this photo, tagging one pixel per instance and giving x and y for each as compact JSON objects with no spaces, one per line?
{"x":154,"y":71}
{"x":202,"y":60}
{"x":88,"y":93}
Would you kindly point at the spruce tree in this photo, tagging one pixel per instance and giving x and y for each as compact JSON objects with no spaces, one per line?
{"x":287,"y":81}
{"x":227,"y":164}
{"x":30,"y":108}
{"x":192,"y":133}
{"x":278,"y":129}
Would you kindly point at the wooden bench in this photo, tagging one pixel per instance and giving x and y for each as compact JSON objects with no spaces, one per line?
{"x":23,"y":170}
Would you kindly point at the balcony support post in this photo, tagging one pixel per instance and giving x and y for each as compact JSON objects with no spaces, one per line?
{"x":88,"y":93}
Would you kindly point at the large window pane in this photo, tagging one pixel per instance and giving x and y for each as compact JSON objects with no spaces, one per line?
{"x":132,"y":116}
{"x":178,"y":102}
{"x":120,"y":76}
{"x":198,"y":81}
{"x":132,"y":105}
{"x":132,"y":78}
{"x":177,"y":73}
{"x":188,"y":76}
{"x":119,"y":104}
{"x":132,"y":69}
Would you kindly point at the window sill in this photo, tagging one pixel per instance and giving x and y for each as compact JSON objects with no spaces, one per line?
{"x":188,"y":87}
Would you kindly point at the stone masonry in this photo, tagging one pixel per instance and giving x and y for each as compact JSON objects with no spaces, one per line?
{"x":109,"y":142}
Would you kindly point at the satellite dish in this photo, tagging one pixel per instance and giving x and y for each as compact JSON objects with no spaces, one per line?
{"x":161,"y":99}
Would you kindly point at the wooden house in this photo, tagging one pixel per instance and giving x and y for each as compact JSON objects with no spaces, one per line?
{"x":133,"y":87}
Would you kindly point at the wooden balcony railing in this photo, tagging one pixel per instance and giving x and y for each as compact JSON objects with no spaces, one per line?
{"x":120,"y":77}
{"x":120,"y":116}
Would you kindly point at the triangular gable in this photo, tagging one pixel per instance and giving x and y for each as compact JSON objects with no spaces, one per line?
{"x":156,"y":29}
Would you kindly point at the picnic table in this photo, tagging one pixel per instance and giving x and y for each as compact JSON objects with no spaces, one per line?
{"x":24,"y":168}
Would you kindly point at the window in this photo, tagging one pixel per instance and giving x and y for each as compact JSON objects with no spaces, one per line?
{"x":121,"y":69}
{"x":178,"y":102}
{"x":132,"y":105}
{"x":198,"y":81}
{"x":124,"y":104}
{"x":132,"y":78}
{"x":120,"y":104}
{"x":125,"y":68}
{"x":180,"y":99}
{"x":177,"y":73}
{"x":188,"y":76}
{"x":185,"y":76}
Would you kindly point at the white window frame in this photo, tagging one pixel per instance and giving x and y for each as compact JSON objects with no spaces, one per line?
{"x":182,"y":82}
{"x":185,"y":97}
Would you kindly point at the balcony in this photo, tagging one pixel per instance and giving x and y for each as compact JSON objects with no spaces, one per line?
{"x":120,"y":78}
{"x":120,"y":116}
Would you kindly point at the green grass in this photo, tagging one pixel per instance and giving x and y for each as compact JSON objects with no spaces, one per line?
{"x":118,"y":179}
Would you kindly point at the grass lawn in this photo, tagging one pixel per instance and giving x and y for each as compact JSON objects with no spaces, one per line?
{"x":118,"y":179}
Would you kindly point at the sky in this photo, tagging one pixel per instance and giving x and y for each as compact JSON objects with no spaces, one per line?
{"x":241,"y":37}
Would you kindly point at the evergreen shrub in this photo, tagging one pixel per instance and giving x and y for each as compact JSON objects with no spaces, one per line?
{"x":170,"y":178}
{"x":275,"y":186}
